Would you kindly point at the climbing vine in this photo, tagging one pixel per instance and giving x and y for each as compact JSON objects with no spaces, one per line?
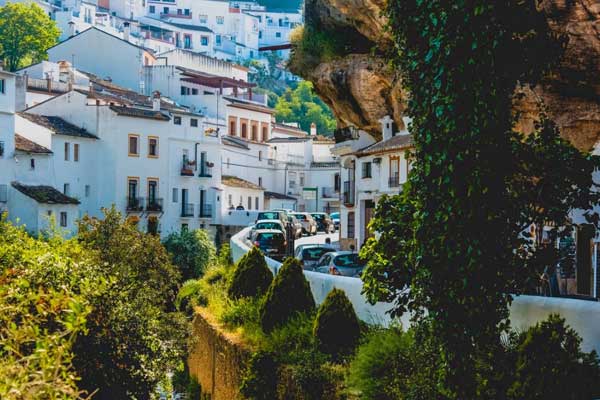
{"x":456,"y":236}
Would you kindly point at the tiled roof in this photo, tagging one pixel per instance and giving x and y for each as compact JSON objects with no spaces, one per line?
{"x":44,"y":194}
{"x":289,"y":129}
{"x":235,"y":141}
{"x":323,"y":139}
{"x":93,"y":28}
{"x":234,"y":181}
{"x":189,"y":27}
{"x":291,"y":139}
{"x":247,"y":105}
{"x":140,"y":113}
{"x":58,"y":125}
{"x":395,"y":143}
{"x":25,"y":145}
{"x":278,"y":196}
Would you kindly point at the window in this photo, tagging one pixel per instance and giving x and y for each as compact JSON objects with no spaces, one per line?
{"x":301,"y":179}
{"x":256,"y":205}
{"x":32,"y":163}
{"x":49,"y":213}
{"x":244,"y":130}
{"x":350,"y":232}
{"x":204,"y":40}
{"x":366,"y":170}
{"x":177,"y":120}
{"x":232,"y":126}
{"x":259,"y":155}
{"x":76,"y":152}
{"x":152,"y":10}
{"x":187,"y":42}
{"x":165,"y":10}
{"x":186,"y":91}
{"x":260,"y":34}
{"x":1,"y":148}
{"x":204,"y":19}
{"x":260,"y":181}
{"x":152,"y":147}
{"x":175,"y":195}
{"x":292,"y":180}
{"x":132,"y":188}
{"x":254,"y":132}
{"x":134,"y":145}
{"x":265,"y":133}
{"x":67,"y":151}
{"x":2,"y":86}
{"x":337,"y":182}
{"x":249,"y":203}
{"x":152,"y":191}
{"x":66,"y":189}
{"x":218,"y":40}
{"x":194,"y":91}
{"x":63,"y":219}
{"x":87,"y":190}
{"x":230,"y":200}
{"x":277,"y":34}
{"x":220,"y":20}
{"x":194,"y":122}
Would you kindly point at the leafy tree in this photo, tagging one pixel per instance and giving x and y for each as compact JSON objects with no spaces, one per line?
{"x":259,"y":381}
{"x":336,"y":326}
{"x":251,"y":277}
{"x":455,"y":236}
{"x":26,"y":32}
{"x":133,"y":336}
{"x":191,"y":250}
{"x":303,"y":106}
{"x":288,"y":296}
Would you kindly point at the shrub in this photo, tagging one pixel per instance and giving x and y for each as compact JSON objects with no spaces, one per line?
{"x":224,"y":257}
{"x":191,"y":251}
{"x":336,"y":327}
{"x":288,"y":295}
{"x":251,"y":277}
{"x":240,"y":312}
{"x":189,"y":296}
{"x":259,"y":381}
{"x":550,"y":364}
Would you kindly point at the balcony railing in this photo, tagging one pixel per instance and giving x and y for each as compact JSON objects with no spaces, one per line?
{"x":187,"y":210}
{"x":348,"y":193}
{"x":206,"y":211}
{"x":154,"y":204}
{"x":188,"y":167}
{"x":394,"y":181}
{"x":135,"y":203}
{"x":205,"y":171}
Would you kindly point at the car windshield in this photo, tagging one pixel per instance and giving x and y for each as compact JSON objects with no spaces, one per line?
{"x":300,"y":216}
{"x":348,"y":260}
{"x":318,"y":216}
{"x":335,"y":215}
{"x":270,"y":238}
{"x":268,"y":225}
{"x":314,"y":253}
{"x":268,"y":215}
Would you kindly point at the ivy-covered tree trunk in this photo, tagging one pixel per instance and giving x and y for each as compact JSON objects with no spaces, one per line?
{"x":462,"y":60}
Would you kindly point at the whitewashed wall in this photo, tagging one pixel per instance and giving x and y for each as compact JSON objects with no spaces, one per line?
{"x":525,"y":311}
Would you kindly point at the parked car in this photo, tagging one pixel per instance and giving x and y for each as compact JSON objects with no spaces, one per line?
{"x":335,"y":217}
{"x":275,"y":214}
{"x":266,"y":224}
{"x":345,"y":263}
{"x":310,"y":254}
{"x":296,"y":226}
{"x":271,"y":241}
{"x":309,"y":225}
{"x":324,"y":222}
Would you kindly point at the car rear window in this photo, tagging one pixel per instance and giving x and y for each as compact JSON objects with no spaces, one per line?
{"x":314,"y":253}
{"x":300,"y":216}
{"x":268,"y":215}
{"x":318,"y":216}
{"x":348,"y":260}
{"x":268,"y":225}
{"x":270,"y":238}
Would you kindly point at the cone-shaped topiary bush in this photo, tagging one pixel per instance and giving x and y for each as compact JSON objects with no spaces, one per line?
{"x":251,"y":277}
{"x":336,"y":327}
{"x":288,"y":295}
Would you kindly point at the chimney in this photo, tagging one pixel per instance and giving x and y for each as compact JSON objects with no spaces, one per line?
{"x":387,"y":127}
{"x":407,"y":121}
{"x":313,"y":129}
{"x":156,"y":101}
{"x":71,"y":29}
{"x":126,"y":30}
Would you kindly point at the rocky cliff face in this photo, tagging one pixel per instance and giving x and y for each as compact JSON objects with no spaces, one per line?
{"x":361,"y":88}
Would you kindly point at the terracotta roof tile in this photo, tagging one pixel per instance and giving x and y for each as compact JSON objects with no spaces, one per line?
{"x":395,"y":143}
{"x":28,"y":146}
{"x":44,"y":194}
{"x":234,"y":181}
{"x":58,"y":125}
{"x":140,"y":113}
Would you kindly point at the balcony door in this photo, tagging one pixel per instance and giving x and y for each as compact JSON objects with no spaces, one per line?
{"x":152,"y":191}
{"x":132,"y":190}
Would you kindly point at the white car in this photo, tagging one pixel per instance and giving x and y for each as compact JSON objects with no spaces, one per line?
{"x":267,"y":224}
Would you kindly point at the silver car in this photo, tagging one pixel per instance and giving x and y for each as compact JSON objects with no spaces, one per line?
{"x":310,"y":254}
{"x":309,"y":225}
{"x":344,"y":263}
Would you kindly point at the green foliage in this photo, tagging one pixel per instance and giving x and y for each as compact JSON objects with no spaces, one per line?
{"x":134,"y":336}
{"x":191,"y":251}
{"x":224,"y":257}
{"x":336,"y":326}
{"x":303,"y":106}
{"x":259,"y":381}
{"x":26,"y":32}
{"x":550,"y":364}
{"x":189,"y":296}
{"x":243,"y":311}
{"x":472,"y":177}
{"x":288,"y":295}
{"x":251,"y":277}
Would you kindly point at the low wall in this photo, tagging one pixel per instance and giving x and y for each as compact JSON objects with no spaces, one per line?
{"x":525,"y":311}
{"x":216,"y":359}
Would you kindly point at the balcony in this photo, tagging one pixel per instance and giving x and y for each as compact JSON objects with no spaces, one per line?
{"x":154,"y":205}
{"x":348,"y":194}
{"x":394,"y":181}
{"x":206,"y":211}
{"x":188,"y":167}
{"x":135,"y":204}
{"x":187,"y":210}
{"x":329,"y":193}
{"x":206,"y":170}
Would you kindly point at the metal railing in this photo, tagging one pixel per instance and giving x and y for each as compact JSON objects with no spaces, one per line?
{"x":205,"y":171}
{"x":206,"y":211}
{"x":394,"y":181}
{"x":348,"y":193}
{"x":187,"y":167}
{"x":187,"y":210}
{"x":154,"y":204}
{"x":135,"y":203}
